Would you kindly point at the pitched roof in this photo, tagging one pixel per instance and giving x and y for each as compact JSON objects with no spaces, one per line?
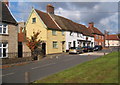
{"x":112,"y":37}
{"x":47,"y":20}
{"x":95,"y":31}
{"x":69,"y":25}
{"x":63,"y":23}
{"x":5,"y":15}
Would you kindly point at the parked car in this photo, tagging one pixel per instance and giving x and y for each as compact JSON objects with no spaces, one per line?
{"x":97,"y":47}
{"x":76,"y":50}
{"x":88,"y":49}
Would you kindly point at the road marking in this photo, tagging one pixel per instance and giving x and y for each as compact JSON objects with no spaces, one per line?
{"x":94,"y":53}
{"x":43,"y":66}
{"x":6,"y":74}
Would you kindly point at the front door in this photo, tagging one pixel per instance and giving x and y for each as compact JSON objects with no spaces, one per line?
{"x":44,"y":48}
{"x":63,"y":46}
{"x":20,"y":50}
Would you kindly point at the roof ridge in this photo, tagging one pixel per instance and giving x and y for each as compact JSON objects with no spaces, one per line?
{"x":54,"y":21}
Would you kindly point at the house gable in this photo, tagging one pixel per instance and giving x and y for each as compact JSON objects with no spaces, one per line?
{"x":6,"y":15}
{"x":34,"y":11}
{"x":36,"y":26}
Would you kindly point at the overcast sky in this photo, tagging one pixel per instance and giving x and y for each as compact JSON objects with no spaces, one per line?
{"x":103,"y":14}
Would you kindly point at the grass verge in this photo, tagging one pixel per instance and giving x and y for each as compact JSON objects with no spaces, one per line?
{"x":100,"y":70}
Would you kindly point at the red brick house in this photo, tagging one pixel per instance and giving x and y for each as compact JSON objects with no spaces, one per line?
{"x":98,"y":35}
{"x":23,"y":50}
{"x":112,"y":40}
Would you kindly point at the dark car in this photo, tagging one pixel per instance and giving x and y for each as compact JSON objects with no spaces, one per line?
{"x":97,"y":47}
{"x":76,"y":50}
{"x":88,"y":49}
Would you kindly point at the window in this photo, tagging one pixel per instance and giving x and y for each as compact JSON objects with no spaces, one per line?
{"x":69,"y":44}
{"x":63,"y":33}
{"x":3,"y":50}
{"x":54,"y":32}
{"x":97,"y":36}
{"x":55,"y":44}
{"x":102,"y":37}
{"x":78,"y":34}
{"x":3,"y":29}
{"x":71,"y":33}
{"x":33,"y":20}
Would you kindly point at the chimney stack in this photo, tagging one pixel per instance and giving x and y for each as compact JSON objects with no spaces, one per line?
{"x":6,"y":2}
{"x":50,"y":9}
{"x":91,"y":24}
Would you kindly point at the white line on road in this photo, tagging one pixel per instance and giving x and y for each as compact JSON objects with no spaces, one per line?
{"x":43,"y":66}
{"x":6,"y":74}
{"x":93,"y":53}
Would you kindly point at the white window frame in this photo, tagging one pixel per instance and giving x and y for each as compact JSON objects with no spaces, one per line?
{"x":78,"y":35}
{"x":71,"y":34}
{"x":2,"y":26}
{"x":55,"y":44}
{"x":2,"y":50}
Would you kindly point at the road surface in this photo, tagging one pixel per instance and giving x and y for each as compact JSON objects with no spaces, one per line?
{"x":47,"y":67}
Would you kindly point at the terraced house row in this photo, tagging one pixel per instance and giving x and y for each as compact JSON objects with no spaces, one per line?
{"x":59,"y":33}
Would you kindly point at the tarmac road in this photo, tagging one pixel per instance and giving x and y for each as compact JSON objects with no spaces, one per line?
{"x":47,"y":67}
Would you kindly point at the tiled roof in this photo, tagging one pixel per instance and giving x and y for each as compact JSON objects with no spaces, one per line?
{"x":112,"y":37}
{"x":63,"y":23}
{"x":95,"y":31}
{"x":47,"y":20}
{"x":6,"y":15}
{"x":69,"y":25}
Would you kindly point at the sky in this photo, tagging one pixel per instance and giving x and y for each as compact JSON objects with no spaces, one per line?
{"x":103,"y":14}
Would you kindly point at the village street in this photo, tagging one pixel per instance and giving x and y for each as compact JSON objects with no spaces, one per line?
{"x":45,"y":67}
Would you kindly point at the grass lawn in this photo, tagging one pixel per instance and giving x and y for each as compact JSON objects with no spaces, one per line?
{"x":100,"y":70}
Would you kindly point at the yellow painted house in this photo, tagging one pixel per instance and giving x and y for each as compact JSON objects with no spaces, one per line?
{"x":51,"y":33}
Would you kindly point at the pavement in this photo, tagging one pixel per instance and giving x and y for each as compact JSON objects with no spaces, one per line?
{"x":28,"y":62}
{"x":40,"y":69}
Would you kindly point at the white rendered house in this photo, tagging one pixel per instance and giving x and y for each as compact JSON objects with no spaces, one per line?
{"x":74,"y":39}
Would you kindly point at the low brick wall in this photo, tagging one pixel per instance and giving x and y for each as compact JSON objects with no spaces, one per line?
{"x":15,"y":60}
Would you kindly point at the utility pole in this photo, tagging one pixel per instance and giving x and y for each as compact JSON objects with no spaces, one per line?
{"x":104,"y":37}
{"x":108,"y":38}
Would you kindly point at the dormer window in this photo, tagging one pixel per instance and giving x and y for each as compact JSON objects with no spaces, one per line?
{"x":4,"y":29}
{"x":33,"y":20}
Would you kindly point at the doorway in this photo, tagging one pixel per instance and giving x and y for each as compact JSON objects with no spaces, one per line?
{"x":20,"y":50}
{"x":44,"y":48}
{"x":63,"y":46}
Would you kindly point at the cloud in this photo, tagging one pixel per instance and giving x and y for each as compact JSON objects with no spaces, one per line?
{"x":99,"y":13}
{"x":67,"y":13}
{"x":110,"y":23}
{"x":64,"y":0}
{"x":81,"y":12}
